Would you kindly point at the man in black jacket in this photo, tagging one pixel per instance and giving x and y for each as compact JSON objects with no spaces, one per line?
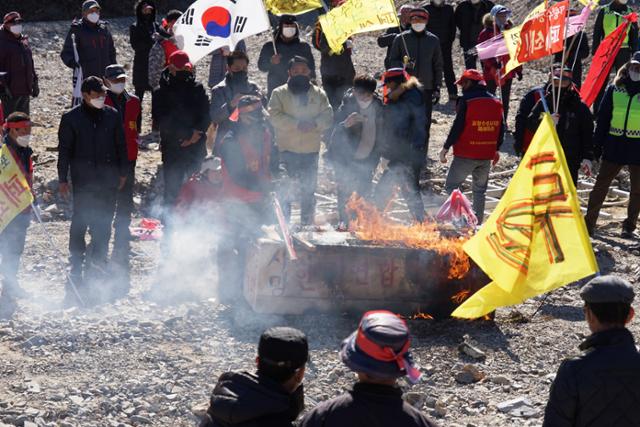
{"x":181,"y":110}
{"x":600,"y":388}
{"x":442,"y":23}
{"x":227,"y":93}
{"x":574,"y":122}
{"x":91,"y":147}
{"x":94,"y":42}
{"x":468,"y":16}
{"x":274,"y":396}
{"x":16,"y":60}
{"x":289,"y":45}
{"x":378,"y":352}
{"x":141,"y":38}
{"x":386,"y":39}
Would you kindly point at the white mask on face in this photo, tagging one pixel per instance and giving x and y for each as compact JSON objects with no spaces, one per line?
{"x":437,"y":2}
{"x":289,"y":32}
{"x":475,"y":1}
{"x":364,"y":104}
{"x":117,"y":88}
{"x":98,"y":103}
{"x":16,"y":29}
{"x":634,"y":76}
{"x":23,"y":140}
{"x":622,"y":1}
{"x":93,"y":17}
{"x":418,"y":28}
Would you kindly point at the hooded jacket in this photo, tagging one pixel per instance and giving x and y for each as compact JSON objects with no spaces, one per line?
{"x":279,"y":73}
{"x":468,"y":17}
{"x":600,"y":388}
{"x":96,"y":49}
{"x":179,"y":108}
{"x":405,"y":131}
{"x":424,"y":52}
{"x":17,"y":60}
{"x":246,"y":400}
{"x":141,"y":38}
{"x":287,"y":110}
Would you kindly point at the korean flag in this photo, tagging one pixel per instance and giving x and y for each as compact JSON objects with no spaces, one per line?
{"x":210,"y":24}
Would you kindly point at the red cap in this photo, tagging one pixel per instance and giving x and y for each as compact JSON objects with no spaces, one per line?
{"x":180,"y":59}
{"x":474,"y":75}
{"x":419,"y":12}
{"x":11,"y":17}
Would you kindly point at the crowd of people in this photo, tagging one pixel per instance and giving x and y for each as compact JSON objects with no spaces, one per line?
{"x":268,"y":143}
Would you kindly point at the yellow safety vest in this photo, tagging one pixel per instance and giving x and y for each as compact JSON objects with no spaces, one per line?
{"x":625,"y":120}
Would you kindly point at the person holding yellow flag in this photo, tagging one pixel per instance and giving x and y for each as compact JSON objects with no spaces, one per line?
{"x":12,"y":198}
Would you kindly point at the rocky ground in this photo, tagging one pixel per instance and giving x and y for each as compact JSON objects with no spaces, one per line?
{"x":137,"y":362}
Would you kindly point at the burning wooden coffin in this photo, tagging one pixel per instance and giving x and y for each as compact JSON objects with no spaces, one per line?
{"x":410,"y":270}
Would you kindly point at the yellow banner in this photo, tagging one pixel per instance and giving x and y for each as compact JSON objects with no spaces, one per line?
{"x":15,"y":194}
{"x":591,"y":3}
{"x":291,"y":7}
{"x":357,"y":16}
{"x":536,"y":239}
{"x":512,"y":39}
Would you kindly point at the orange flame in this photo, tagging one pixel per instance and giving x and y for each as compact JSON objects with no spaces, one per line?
{"x":461,"y":296}
{"x":371,"y":225}
{"x":422,"y":316}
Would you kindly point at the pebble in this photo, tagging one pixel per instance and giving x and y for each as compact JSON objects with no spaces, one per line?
{"x":469,"y":374}
{"x":518,"y":407}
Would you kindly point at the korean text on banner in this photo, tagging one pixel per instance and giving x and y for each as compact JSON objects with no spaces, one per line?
{"x":357,"y":16}
{"x":15,"y":194}
{"x":536,"y":239}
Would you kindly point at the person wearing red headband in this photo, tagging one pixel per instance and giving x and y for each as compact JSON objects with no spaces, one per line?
{"x":16,"y":59}
{"x":250,"y":165}
{"x":17,"y":138}
{"x":378,"y":352}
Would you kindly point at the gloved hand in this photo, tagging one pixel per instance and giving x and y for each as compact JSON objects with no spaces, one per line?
{"x":586,"y":167}
{"x":436,"y":96}
{"x":35,"y":91}
{"x":443,"y":155}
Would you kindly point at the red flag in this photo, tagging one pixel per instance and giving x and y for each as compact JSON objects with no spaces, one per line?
{"x":543,"y":35}
{"x":603,"y":60}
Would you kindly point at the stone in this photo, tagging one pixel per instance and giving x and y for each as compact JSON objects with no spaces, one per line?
{"x":469,"y":374}
{"x":471,"y":350}
{"x":500,"y":379}
{"x":415,"y":399}
{"x":139,"y":419}
{"x":518,"y":407}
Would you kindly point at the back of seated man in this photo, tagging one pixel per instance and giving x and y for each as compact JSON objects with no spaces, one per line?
{"x":274,"y":395}
{"x":602,"y":387}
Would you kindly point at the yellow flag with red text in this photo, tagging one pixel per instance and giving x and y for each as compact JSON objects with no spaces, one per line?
{"x":15,"y":194}
{"x":536,"y":239}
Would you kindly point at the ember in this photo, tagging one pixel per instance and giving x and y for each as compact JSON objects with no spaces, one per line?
{"x":461,"y":296}
{"x":371,"y":225}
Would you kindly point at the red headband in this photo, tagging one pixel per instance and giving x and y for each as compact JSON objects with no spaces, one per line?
{"x":382,"y":354}
{"x":17,"y":125}
{"x":246,"y":109}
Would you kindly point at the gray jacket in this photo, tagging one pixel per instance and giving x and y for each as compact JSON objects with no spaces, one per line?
{"x":425,"y":57}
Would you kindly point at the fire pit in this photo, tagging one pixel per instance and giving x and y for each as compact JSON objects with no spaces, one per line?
{"x":350,"y":271}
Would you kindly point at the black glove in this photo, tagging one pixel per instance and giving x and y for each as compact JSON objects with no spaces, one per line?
{"x":435,"y":98}
{"x":35,"y":91}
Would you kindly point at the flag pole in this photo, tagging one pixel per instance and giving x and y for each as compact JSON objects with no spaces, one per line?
{"x":564,"y":55}
{"x":273,"y":36}
{"x":36,"y":213}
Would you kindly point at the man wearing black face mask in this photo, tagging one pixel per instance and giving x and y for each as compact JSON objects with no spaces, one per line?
{"x":181,"y":110}
{"x":225,"y":96}
{"x":300,"y":113}
{"x":617,"y":141}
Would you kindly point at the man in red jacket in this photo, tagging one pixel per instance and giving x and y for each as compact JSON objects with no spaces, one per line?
{"x":128,"y":106}
{"x":476,"y":135}
{"x":17,"y":137}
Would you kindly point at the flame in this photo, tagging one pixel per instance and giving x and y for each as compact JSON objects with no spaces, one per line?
{"x":370,"y":225}
{"x":461,"y":296}
{"x":422,"y":316}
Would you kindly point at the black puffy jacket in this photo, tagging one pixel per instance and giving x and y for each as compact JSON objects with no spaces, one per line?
{"x":95,"y":48}
{"x":278,"y":74}
{"x":246,"y":400}
{"x":140,"y":37}
{"x":179,"y":108}
{"x":91,"y":144}
{"x":601,"y":388}
{"x":468,"y":18}
{"x":367,"y":405}
{"x":442,"y":22}
{"x":17,"y":60}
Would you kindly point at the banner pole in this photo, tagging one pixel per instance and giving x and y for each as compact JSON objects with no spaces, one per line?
{"x":564,"y":55}
{"x":36,"y":213}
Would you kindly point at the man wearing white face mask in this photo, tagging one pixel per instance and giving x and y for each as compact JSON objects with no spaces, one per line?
{"x":92,"y":148}
{"x":128,"y":106}
{"x":17,"y":137}
{"x":93,"y":41}
{"x":16,"y":60}
{"x":617,"y":141}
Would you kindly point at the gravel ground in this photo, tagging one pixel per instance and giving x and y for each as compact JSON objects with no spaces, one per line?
{"x":136,"y":362}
